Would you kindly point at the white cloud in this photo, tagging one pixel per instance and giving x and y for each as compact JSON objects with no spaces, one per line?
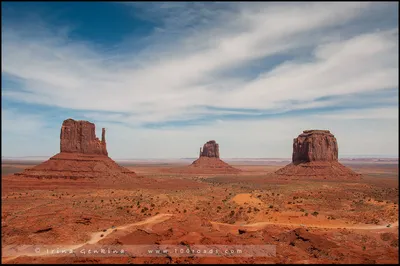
{"x":173,"y":78}
{"x":73,"y":76}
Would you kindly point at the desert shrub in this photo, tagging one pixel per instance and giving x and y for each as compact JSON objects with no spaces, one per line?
{"x":184,"y":211}
{"x":306,"y":214}
{"x":219,"y":207}
{"x":315,"y":213}
{"x":302,"y":210}
{"x":271,"y":206}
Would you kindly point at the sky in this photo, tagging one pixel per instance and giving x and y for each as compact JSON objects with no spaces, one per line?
{"x":163,"y":78}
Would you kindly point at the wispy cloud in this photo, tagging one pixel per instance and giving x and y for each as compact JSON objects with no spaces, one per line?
{"x":190,"y":70}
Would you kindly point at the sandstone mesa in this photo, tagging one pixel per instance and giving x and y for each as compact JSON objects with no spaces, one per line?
{"x":315,"y":154}
{"x":82,"y":155}
{"x":209,"y":159}
{"x":80,"y":137}
{"x":210,"y":149}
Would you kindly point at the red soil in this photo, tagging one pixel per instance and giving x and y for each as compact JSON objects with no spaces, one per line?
{"x":77,"y":165}
{"x":320,"y":170}
{"x":211,"y":163}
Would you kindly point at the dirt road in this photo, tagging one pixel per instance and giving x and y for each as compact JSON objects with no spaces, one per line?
{"x":96,"y":237}
{"x":261,"y":225}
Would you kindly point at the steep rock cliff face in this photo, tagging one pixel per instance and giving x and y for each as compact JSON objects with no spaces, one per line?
{"x":315,"y":155}
{"x":80,"y":137}
{"x":210,"y":149}
{"x":315,"y":145}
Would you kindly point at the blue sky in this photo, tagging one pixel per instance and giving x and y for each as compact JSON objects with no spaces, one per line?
{"x":164,"y":78}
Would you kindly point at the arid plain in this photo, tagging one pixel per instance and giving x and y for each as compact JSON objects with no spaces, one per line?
{"x":309,"y":221}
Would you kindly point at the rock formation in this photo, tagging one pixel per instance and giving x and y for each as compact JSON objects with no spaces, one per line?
{"x":209,"y":160}
{"x":315,"y":154}
{"x":315,"y":145}
{"x":210,"y":149}
{"x":80,"y":137}
{"x":82,"y":155}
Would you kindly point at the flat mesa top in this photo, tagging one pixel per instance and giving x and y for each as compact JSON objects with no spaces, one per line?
{"x":316,"y":131}
{"x":72,"y":120}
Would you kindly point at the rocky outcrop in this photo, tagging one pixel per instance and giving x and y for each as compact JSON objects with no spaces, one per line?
{"x":315,"y":145}
{"x":210,"y":149}
{"x":210,"y":162}
{"x":80,"y":137}
{"x":315,"y":155}
{"x":82,"y":156}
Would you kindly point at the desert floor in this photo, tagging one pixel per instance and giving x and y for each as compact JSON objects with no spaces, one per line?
{"x":308,"y":221}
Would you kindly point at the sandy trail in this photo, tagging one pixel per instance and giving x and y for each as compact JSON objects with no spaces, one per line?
{"x":159,"y":218}
{"x":261,"y":225}
{"x":96,"y":237}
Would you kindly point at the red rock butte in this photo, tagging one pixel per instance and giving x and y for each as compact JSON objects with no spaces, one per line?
{"x":80,"y":137}
{"x":315,"y":154}
{"x":209,"y":159}
{"x":82,"y":155}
